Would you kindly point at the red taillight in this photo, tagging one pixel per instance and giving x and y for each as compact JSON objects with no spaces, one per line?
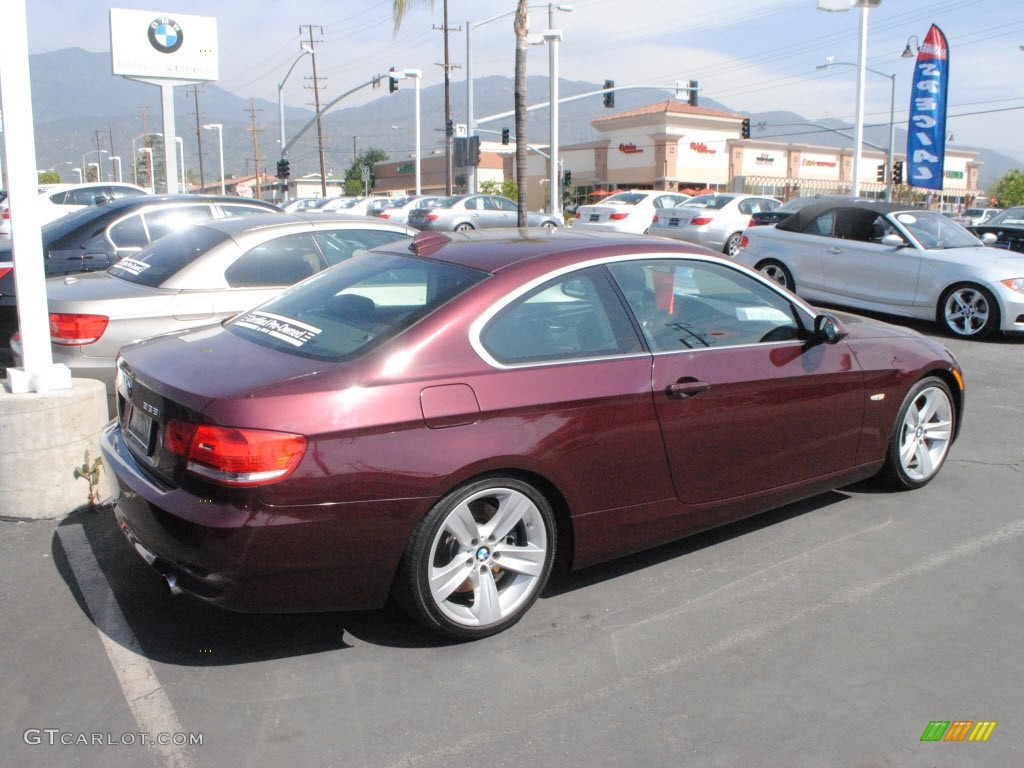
{"x":235,"y":456}
{"x":76,"y":330}
{"x":619,"y":215}
{"x":4,"y":271}
{"x":744,"y":242}
{"x":433,"y":216}
{"x":6,"y":215}
{"x":384,"y":215}
{"x":577,"y":214}
{"x":751,"y":223}
{"x":701,"y":220}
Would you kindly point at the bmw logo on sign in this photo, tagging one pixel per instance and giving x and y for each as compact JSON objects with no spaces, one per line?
{"x":165,"y":35}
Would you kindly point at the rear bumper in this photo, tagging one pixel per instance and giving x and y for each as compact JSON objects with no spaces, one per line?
{"x":243,"y":555}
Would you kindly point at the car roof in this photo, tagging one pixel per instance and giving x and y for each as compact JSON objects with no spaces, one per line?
{"x":149,"y":200}
{"x":799,"y":219}
{"x":235,"y":225}
{"x":491,"y":250}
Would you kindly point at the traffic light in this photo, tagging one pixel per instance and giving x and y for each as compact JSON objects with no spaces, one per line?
{"x":609,"y":96}
{"x":392,"y":82}
{"x":506,"y":136}
{"x":692,"y":98}
{"x":745,"y":128}
{"x":283,"y":169}
{"x":567,"y":179}
{"x":880,"y":176}
{"x":897,"y":172}
{"x":449,"y":128}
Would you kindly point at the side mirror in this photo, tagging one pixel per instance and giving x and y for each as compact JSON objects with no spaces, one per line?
{"x":828,"y":329}
{"x":988,"y":238}
{"x":893,"y":241}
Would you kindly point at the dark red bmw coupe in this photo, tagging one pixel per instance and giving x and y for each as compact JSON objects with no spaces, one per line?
{"x":445,"y":420}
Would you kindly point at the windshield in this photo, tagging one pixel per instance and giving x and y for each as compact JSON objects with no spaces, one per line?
{"x":156,"y":263}
{"x":934,"y":231}
{"x":356,"y":306}
{"x":1013,"y":217}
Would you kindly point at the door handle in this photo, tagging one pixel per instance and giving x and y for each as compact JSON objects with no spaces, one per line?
{"x":835,"y":251}
{"x":685,"y":388}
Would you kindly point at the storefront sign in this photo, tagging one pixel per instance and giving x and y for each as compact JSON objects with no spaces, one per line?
{"x":954,"y":174}
{"x":702,"y":148}
{"x":629,"y":149}
{"x":808,"y":163}
{"x":765,"y":159}
{"x":406,"y":168}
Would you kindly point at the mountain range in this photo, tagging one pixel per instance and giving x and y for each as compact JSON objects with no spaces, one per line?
{"x":80,"y":107}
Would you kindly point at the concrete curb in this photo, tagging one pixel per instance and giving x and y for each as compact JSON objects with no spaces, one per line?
{"x":43,"y":438}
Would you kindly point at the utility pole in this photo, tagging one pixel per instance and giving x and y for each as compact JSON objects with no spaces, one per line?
{"x":255,"y":145}
{"x":447,"y":103}
{"x":110,"y":131}
{"x":199,"y":135}
{"x":316,"y":101}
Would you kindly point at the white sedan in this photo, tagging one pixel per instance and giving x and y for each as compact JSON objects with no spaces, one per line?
{"x":714,"y":221}
{"x":892,"y":259}
{"x":631,"y":211}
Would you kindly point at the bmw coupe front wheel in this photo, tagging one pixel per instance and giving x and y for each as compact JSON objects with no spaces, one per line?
{"x":921,"y":436}
{"x":479,"y":559}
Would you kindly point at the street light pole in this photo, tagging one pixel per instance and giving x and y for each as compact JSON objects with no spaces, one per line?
{"x":892,"y":118}
{"x":417,"y":75}
{"x":181,"y":164}
{"x":280,"y":97}
{"x":219,"y":127}
{"x":553,"y":38}
{"x":116,"y":178}
{"x":85,"y":165}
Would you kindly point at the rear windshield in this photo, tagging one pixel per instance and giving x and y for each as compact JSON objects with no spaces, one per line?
{"x":167,"y":256}
{"x":625,"y":198}
{"x":354,"y":307}
{"x":1011,"y":216}
{"x":709,"y":201}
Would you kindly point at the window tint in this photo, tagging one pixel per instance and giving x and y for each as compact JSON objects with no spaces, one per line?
{"x":341,"y":245}
{"x":167,"y":256}
{"x":129,"y":233}
{"x":346,"y":311}
{"x":234,"y":209}
{"x":694,"y":305}
{"x":86,"y":196}
{"x":573,"y":316}
{"x":164,"y":221}
{"x":506,"y":205}
{"x":822,"y":225}
{"x":281,"y":261}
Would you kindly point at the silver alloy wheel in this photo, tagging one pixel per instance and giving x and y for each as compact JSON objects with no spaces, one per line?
{"x":463,"y":227}
{"x":926,"y":433}
{"x":966,"y":311}
{"x":776,"y":272}
{"x":488,"y":557}
{"x":732,"y":245}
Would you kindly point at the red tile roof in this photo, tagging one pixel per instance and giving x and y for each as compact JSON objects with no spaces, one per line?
{"x":670,"y":107}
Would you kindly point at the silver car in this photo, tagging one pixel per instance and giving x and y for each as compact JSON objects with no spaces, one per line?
{"x":193,"y":277}
{"x":631,"y":211}
{"x":714,"y":221}
{"x":891,"y":259}
{"x":398,"y":211}
{"x":465,"y":212}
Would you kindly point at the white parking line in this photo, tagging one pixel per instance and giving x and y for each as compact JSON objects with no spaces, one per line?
{"x":145,"y":696}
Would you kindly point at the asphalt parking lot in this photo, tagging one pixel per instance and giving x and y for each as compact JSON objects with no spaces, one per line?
{"x":825,"y":633}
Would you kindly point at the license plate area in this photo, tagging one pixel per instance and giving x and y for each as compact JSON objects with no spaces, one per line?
{"x":139,"y":428}
{"x":595,"y":217}
{"x":673,"y":222}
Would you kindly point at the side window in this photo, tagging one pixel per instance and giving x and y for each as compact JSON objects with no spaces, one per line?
{"x":341,"y":245}
{"x":59,"y":198}
{"x":231,"y":209}
{"x":682,"y":304}
{"x":822,"y":225}
{"x":282,"y":261}
{"x":572,"y":317}
{"x":167,"y":220}
{"x":86,"y":196}
{"x":129,"y":233}
{"x":506,"y":205}
{"x":491,"y":204}
{"x":475,"y":204}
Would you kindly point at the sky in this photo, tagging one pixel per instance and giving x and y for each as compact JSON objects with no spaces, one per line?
{"x":751,"y":55}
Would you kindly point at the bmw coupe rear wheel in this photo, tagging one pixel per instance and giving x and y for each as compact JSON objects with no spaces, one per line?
{"x":479,"y":559}
{"x":922,"y":435}
{"x":969,"y":311}
{"x":732,"y":245}
{"x":777,"y":271}
{"x":463,"y":227}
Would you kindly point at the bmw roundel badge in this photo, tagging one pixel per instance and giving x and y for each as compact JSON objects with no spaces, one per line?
{"x":165,"y":35}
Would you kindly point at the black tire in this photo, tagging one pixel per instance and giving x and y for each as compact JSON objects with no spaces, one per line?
{"x":455,"y":578}
{"x":464,"y":227}
{"x":549,"y":225}
{"x":778,"y":272}
{"x":968,"y":311}
{"x":732,"y":245}
{"x":918,"y":448}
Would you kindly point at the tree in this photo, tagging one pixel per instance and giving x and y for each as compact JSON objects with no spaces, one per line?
{"x":507,"y":188}
{"x":354,"y":174}
{"x":49,"y":177}
{"x":1010,"y":189}
{"x":522,"y":28}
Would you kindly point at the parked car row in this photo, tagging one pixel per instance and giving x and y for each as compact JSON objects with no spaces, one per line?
{"x":57,"y":200}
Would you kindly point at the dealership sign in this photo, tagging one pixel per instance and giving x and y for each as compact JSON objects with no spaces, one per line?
{"x":629,"y":149}
{"x":926,"y":134}
{"x":160,"y":45}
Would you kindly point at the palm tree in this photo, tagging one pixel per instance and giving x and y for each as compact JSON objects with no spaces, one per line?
{"x":522,"y":28}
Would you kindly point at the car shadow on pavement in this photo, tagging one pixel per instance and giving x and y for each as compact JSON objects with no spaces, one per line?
{"x":182,"y":630}
{"x":563,"y":582}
